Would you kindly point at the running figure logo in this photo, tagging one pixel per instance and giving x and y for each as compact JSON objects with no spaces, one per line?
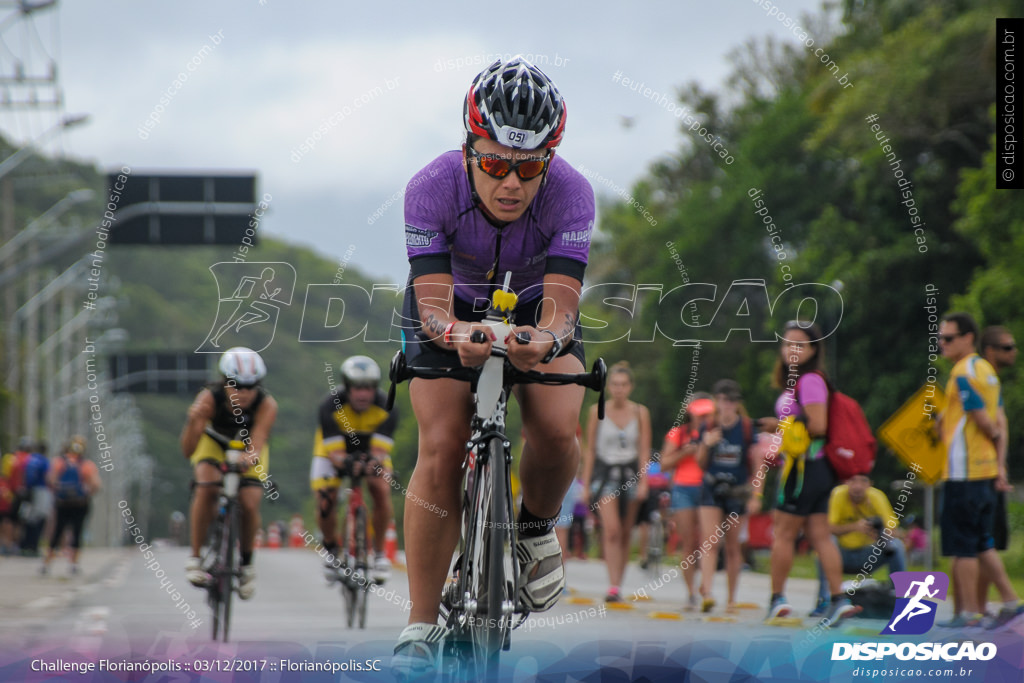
{"x":914,"y":613}
{"x":247,"y":315}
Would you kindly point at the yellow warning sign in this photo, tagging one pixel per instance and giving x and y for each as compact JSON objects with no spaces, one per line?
{"x":911,"y":433}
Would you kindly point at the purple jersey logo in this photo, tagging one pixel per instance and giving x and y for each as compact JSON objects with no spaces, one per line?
{"x":914,"y":613}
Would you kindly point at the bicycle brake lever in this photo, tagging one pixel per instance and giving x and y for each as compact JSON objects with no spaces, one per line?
{"x":523,"y":337}
{"x":391,"y":398}
{"x":600,"y":375}
{"x":478,"y":337}
{"x":396,"y":373}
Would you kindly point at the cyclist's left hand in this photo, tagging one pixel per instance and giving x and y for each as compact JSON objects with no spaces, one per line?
{"x":526,"y":356}
{"x":367,"y":467}
{"x":250,"y":459}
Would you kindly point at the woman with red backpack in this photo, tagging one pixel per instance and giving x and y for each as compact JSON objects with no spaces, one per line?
{"x":807,"y":480}
{"x":74,"y":480}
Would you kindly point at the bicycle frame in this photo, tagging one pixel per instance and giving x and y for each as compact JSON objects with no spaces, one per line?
{"x":355,"y":584}
{"x":221,"y":560}
{"x":480,"y":604}
{"x":485,"y":625}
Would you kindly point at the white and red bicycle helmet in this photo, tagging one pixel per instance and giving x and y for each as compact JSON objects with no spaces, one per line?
{"x":515,"y":104}
{"x":242,"y":365}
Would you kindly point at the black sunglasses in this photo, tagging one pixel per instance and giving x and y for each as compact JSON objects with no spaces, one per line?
{"x":239,"y":385}
{"x":1006,"y":347}
{"x":499,"y":167}
{"x":947,"y":338}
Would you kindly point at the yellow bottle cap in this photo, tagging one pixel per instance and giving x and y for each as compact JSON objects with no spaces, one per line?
{"x":504,"y":301}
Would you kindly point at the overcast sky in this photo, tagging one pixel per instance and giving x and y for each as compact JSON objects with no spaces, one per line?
{"x":384,"y":81}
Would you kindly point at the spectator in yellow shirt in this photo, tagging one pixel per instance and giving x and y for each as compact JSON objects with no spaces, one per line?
{"x":862,"y":519}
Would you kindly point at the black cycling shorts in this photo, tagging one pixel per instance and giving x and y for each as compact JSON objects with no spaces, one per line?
{"x":819,"y":480}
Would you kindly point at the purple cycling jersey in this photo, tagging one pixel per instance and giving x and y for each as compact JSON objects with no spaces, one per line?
{"x":444,"y":231}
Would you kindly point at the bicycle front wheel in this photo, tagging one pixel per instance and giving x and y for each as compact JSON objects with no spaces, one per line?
{"x":479,"y":624}
{"x":362,"y":565}
{"x":496,"y":534}
{"x":229,"y":570}
{"x":213,"y":564}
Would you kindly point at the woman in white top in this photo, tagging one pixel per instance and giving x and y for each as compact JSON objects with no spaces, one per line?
{"x":615,"y":462}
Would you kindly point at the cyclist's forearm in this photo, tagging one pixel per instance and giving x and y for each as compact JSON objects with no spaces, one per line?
{"x":199,"y":413}
{"x":435,"y":302}
{"x":264,"y":422}
{"x":190,"y":436}
{"x":434,"y":324}
{"x":257,"y":442}
{"x":561,"y":306}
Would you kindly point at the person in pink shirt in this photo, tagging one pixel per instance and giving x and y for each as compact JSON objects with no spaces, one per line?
{"x":801,"y":416}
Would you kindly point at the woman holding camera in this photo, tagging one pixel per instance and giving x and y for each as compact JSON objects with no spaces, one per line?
{"x":726,"y":455}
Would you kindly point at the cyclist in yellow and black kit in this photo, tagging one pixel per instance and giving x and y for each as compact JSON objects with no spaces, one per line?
{"x":354,"y":421}
{"x":237,"y":407}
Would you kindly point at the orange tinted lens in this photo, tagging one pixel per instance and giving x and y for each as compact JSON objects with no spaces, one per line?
{"x":497,"y":168}
{"x":531,"y":169}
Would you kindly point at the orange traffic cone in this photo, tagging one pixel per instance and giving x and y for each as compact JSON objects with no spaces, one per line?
{"x":258,"y":543}
{"x":391,"y":542}
{"x":274,"y":537}
{"x":296,"y":532}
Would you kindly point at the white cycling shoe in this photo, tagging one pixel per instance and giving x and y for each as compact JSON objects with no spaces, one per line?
{"x":417,"y":651}
{"x":543,"y":577}
{"x":195,"y":574}
{"x":381,"y":571}
{"x":247,"y":583}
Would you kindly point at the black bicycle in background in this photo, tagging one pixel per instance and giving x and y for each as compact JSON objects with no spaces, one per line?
{"x":353,"y":570}
{"x":220,"y":556}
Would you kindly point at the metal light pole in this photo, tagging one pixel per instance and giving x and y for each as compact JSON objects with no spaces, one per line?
{"x":8,"y":256}
{"x":13,"y":161}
